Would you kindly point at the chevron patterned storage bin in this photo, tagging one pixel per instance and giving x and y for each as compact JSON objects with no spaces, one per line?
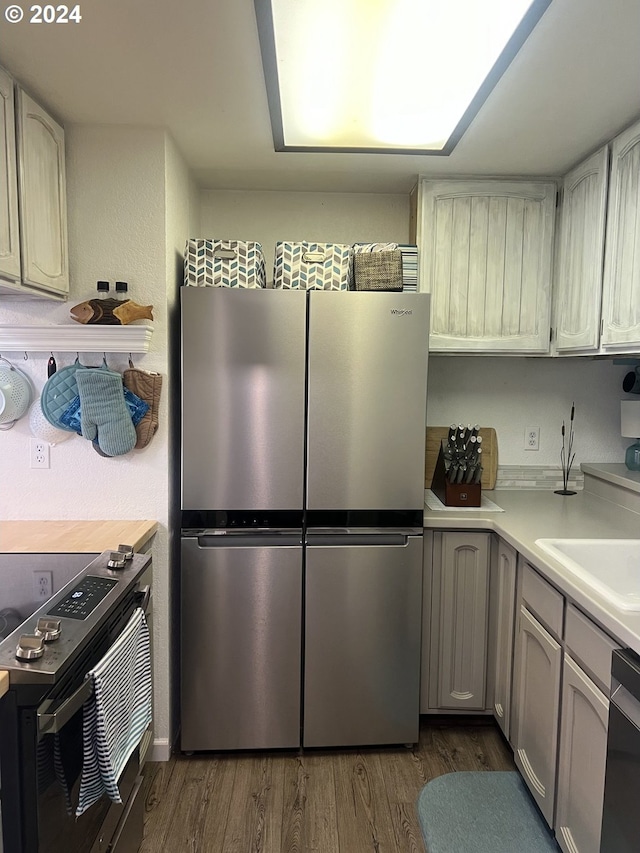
{"x":224,"y":263}
{"x":312,"y":266}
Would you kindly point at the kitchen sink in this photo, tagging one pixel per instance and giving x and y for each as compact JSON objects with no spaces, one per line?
{"x":609,"y":566}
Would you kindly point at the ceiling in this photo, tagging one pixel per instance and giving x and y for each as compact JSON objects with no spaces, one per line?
{"x":195,"y":68}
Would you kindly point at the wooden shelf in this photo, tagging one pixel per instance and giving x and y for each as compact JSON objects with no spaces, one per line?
{"x":76,"y":338}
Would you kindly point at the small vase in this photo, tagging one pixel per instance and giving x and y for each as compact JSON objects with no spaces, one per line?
{"x":632,"y":456}
{"x":564,"y":492}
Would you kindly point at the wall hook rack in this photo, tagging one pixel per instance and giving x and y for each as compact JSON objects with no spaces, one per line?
{"x":67,"y":338}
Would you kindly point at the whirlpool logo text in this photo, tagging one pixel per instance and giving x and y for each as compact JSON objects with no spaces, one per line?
{"x":401,"y":312}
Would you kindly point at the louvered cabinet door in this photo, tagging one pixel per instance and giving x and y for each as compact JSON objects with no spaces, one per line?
{"x":621,"y":297}
{"x":486,"y":258}
{"x":579,"y":282}
{"x":459,"y":623}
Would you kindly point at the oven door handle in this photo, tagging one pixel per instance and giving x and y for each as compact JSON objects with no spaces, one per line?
{"x":53,"y":722}
{"x":143,"y":598}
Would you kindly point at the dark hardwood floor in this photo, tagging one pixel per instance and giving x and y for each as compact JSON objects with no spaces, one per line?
{"x":320,"y":801}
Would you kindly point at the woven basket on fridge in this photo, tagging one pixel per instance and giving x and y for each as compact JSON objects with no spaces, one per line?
{"x":378,"y":270}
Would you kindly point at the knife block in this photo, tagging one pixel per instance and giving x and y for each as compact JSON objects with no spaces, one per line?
{"x":453,"y":494}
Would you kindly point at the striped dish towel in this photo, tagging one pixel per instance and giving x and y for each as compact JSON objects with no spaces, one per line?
{"x":117,"y":713}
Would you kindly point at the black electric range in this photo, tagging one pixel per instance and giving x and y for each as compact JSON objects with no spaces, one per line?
{"x":48,"y":656}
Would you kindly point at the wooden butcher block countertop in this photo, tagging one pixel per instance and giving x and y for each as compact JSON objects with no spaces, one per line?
{"x":72,"y":537}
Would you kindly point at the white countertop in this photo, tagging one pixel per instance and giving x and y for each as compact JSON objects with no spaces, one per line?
{"x":531,"y":514}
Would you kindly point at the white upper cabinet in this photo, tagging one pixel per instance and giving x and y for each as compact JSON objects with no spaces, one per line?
{"x":486,"y":255}
{"x":621,"y":296}
{"x":9,"y":230}
{"x":579,"y":280}
{"x":42,"y":193}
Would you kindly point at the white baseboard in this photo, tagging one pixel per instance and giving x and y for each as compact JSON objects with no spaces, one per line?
{"x":161,"y":750}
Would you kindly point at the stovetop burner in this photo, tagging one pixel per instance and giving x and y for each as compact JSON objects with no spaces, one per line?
{"x":9,"y":621}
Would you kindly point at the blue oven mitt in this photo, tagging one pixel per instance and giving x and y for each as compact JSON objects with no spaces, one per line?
{"x":104,"y":414}
{"x":71,"y":417}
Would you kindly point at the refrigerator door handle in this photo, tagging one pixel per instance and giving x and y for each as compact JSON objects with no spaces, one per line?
{"x":398,"y":540}
{"x":248,"y":540}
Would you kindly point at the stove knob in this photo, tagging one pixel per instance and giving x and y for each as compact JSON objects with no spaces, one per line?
{"x":30,"y":647}
{"x":48,"y":629}
{"x":117,"y":560}
{"x":127,"y":550}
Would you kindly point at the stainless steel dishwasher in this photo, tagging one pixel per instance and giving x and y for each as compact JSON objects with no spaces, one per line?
{"x":241,"y":639}
{"x":363,"y":604}
{"x":621,"y":815}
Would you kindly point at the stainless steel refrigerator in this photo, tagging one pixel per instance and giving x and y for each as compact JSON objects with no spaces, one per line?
{"x":303,"y":438}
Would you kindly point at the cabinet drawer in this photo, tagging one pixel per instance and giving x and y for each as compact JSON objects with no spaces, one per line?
{"x":543,"y":600}
{"x":590,"y":646}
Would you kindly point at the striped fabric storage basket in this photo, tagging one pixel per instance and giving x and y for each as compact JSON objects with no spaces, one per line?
{"x":224,"y":263}
{"x":312,"y":266}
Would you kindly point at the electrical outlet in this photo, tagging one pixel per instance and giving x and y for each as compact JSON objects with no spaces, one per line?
{"x":39,"y":453}
{"x":532,"y":438}
{"x":42,"y":585}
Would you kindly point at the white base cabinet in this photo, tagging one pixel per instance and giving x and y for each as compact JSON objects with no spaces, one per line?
{"x":504,"y":591}
{"x":538,"y":700}
{"x":498,"y":637}
{"x":459,"y":622}
{"x":581,"y":763}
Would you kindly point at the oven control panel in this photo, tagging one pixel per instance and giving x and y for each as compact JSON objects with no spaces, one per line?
{"x":83,"y":598}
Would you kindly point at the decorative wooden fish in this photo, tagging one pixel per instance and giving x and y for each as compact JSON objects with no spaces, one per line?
{"x":110,"y":312}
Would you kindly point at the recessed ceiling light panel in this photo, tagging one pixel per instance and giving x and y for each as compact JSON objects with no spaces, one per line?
{"x":385,"y":75}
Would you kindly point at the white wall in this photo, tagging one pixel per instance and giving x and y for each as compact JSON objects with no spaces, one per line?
{"x":129,"y":203}
{"x":182,"y":209}
{"x":115,"y":199}
{"x":511,"y":394}
{"x":315,"y":217}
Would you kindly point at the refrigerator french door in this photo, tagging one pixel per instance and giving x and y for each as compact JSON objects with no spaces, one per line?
{"x":362,"y":637}
{"x":243,"y":415}
{"x":367,"y":396}
{"x":367,"y":376}
{"x":243,"y":400}
{"x":241,"y":640}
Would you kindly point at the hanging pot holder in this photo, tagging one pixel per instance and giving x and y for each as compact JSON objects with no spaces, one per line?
{"x":60,"y":390}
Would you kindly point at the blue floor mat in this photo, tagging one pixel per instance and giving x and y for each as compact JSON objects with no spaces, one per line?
{"x":484,"y":812}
